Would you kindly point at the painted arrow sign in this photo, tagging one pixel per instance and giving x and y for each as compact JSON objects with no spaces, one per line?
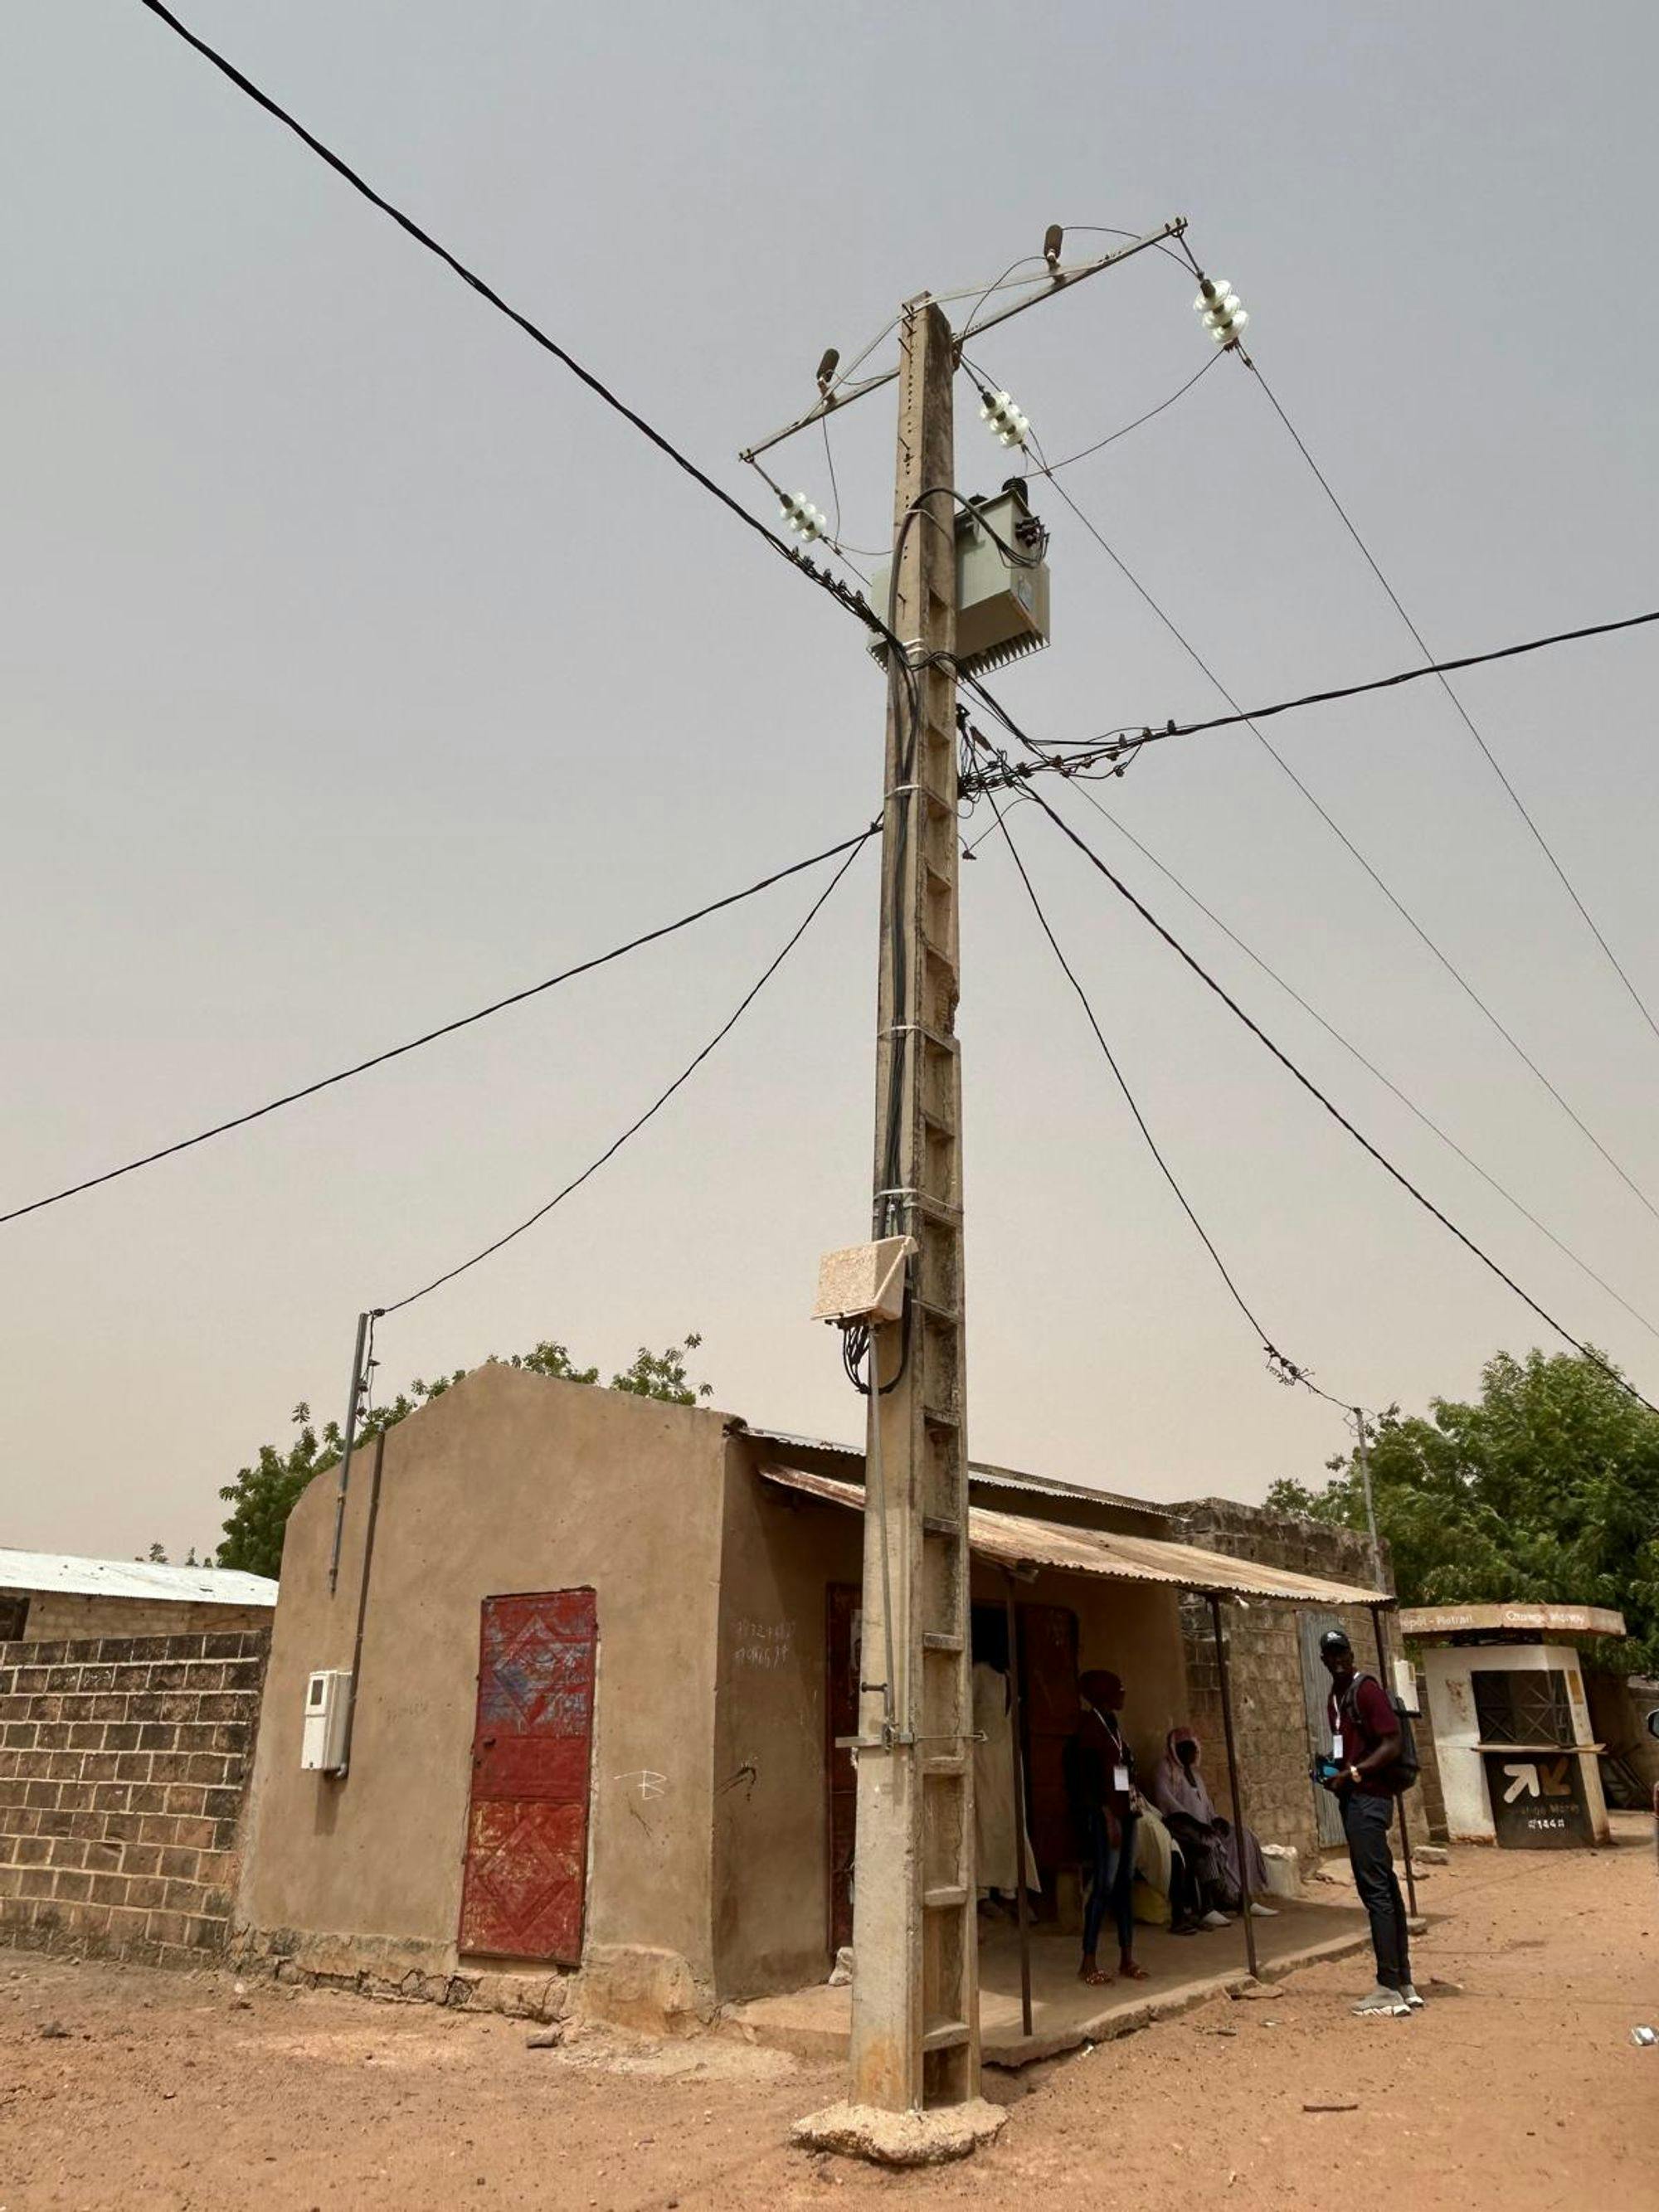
{"x":1522,"y":1780}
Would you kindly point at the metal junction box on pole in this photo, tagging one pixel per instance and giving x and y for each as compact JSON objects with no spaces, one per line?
{"x":1002,"y":583}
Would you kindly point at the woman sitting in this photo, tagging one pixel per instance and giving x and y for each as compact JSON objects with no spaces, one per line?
{"x":1208,"y":1843}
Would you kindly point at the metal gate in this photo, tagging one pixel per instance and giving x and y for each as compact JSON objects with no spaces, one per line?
{"x":1316,"y":1690}
{"x":527,"y":1839}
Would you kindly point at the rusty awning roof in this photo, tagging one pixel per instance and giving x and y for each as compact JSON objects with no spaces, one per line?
{"x":1012,"y":1540}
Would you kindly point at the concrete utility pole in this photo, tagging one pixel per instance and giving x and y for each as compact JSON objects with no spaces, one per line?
{"x":915,"y":1988}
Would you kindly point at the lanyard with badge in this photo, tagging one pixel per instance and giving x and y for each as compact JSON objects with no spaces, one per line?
{"x":1120,"y":1781}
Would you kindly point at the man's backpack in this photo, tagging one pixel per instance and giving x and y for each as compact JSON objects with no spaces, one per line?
{"x":1400,"y":1774}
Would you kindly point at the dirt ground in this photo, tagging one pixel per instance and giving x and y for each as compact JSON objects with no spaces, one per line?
{"x":121,"y":2086}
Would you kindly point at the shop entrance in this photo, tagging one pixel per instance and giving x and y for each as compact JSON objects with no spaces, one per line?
{"x":1048,"y":1715}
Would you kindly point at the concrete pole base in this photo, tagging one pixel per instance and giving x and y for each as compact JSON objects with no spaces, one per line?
{"x":887,"y":2138}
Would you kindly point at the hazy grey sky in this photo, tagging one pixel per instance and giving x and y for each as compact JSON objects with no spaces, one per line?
{"x":358,"y":667}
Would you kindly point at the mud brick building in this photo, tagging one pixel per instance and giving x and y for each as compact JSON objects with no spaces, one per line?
{"x":598,"y":1655}
{"x":603,"y":1657}
{"x":46,"y":1597}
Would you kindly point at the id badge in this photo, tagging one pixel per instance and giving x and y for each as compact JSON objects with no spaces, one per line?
{"x":1120,"y":1779}
{"x":1336,"y":1744}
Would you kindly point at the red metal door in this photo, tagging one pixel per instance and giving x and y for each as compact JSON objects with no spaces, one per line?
{"x":526,"y":1840}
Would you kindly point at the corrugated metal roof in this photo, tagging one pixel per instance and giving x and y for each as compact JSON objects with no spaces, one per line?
{"x":52,"y":1570}
{"x":1013,"y":1541}
{"x":1047,"y":1485}
{"x":980,"y":1471}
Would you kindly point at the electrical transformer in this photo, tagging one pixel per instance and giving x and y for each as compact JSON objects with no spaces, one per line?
{"x":1002,"y":582}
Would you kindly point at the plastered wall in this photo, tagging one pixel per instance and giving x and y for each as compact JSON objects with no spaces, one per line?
{"x":509,"y":1482}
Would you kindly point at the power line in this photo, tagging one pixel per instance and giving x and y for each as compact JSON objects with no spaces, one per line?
{"x":836,"y":589}
{"x":1313,"y":1090}
{"x":657,"y":1103}
{"x":853,"y":602}
{"x":1342,"y":835}
{"x":1050,"y":468}
{"x":1354,"y":1053}
{"x":1130,"y":740}
{"x":1284,"y":1370}
{"x":848,"y":845}
{"x":1465,"y":717}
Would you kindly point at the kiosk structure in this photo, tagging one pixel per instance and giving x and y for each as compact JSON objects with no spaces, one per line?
{"x":1511,"y":1720}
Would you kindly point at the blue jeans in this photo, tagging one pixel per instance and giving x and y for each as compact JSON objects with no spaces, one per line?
{"x":1111,"y":1880}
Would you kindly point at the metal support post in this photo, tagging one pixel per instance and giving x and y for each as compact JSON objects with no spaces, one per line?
{"x":1232,"y":1772}
{"x":1022,"y":1907}
{"x":352,"y":1397}
{"x":1370,"y":1502}
{"x":1405,"y":1834}
{"x":915,"y":1988}
{"x":369,"y":1526}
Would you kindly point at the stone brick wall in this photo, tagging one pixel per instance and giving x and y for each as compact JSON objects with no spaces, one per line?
{"x":124,"y":1763}
{"x":1265,"y":1660}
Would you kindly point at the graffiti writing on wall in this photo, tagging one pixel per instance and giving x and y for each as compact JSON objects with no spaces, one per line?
{"x":764,"y":1644}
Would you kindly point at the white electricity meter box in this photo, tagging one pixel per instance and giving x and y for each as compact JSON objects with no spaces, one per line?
{"x":1002,"y":583}
{"x":328,"y":1700}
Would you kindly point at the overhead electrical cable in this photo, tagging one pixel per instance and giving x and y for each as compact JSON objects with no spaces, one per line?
{"x":847,"y":845}
{"x":656,"y":1105}
{"x":1342,"y":837}
{"x":1050,"y":468}
{"x":1128,"y":738}
{"x":533,"y":331}
{"x":1438,"y":668}
{"x":1314,"y":1091}
{"x":851,"y":602}
{"x":1283,"y":1369}
{"x":1354,"y":1052}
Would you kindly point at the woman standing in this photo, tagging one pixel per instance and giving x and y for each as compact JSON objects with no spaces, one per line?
{"x":1100,"y":1783}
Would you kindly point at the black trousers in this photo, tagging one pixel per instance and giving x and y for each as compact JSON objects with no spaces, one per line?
{"x":1365,"y":1823}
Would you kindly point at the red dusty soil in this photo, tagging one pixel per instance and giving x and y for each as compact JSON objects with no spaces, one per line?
{"x":1523,"y":2091}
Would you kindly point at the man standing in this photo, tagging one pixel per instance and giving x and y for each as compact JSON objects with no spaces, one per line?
{"x":1365,"y":1743}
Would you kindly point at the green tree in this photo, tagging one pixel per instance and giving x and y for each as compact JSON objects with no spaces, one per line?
{"x":662,"y":1375}
{"x":1546,"y":1486}
{"x":265,"y":1493}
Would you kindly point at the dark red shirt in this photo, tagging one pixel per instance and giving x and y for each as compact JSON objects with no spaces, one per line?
{"x":1363,"y":1717}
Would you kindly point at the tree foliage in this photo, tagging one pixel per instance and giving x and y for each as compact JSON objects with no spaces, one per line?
{"x":265,"y":1493}
{"x":1545,"y":1488}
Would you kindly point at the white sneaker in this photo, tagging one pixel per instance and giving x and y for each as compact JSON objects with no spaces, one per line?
{"x":1413,"y":2001}
{"x":1383,"y":2003}
{"x":1262,"y":1911}
{"x":1215,"y":1920}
